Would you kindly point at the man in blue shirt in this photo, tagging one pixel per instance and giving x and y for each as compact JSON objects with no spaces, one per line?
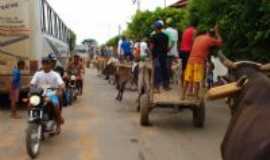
{"x":126,"y":49}
{"x":15,"y":87}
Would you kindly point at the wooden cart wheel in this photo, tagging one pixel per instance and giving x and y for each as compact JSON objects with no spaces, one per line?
{"x":199,"y":115}
{"x":145,"y":110}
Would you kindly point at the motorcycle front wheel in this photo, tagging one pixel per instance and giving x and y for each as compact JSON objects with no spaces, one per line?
{"x":33,"y":140}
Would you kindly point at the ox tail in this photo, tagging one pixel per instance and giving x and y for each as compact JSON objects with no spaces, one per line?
{"x":264,"y":151}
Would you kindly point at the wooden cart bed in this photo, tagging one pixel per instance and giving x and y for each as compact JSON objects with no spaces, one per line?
{"x":173,"y":97}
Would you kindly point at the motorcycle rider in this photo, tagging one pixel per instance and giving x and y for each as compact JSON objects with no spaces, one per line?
{"x":48,"y":77}
{"x":76,"y":67}
{"x":57,"y":68}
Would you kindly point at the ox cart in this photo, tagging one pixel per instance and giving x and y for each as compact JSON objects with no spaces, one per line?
{"x":148,"y":100}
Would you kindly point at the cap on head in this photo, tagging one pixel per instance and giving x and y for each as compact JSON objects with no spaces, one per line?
{"x":161,"y":22}
{"x":158,"y":24}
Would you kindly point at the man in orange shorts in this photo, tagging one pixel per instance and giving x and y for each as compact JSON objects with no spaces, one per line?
{"x":194,"y":73}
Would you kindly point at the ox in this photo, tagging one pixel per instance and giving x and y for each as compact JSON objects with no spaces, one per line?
{"x":100,"y":63}
{"x":124,"y":74}
{"x":110,"y":69}
{"x":248,"y":134}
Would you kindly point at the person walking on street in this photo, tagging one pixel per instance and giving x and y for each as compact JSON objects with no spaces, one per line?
{"x":188,"y":37}
{"x":194,"y":73}
{"x":159,"y":48}
{"x":15,"y":87}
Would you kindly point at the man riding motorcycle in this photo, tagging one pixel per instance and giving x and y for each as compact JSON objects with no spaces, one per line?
{"x":48,"y":77}
{"x":76,"y":68}
{"x":60,"y":70}
{"x":57,"y":68}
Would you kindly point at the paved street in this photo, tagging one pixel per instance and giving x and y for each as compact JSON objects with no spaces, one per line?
{"x":99,"y":128}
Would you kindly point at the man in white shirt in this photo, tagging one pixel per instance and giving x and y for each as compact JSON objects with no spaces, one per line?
{"x":144,"y":49}
{"x":48,"y":77}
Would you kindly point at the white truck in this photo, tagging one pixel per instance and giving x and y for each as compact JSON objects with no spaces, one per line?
{"x":29,"y":30}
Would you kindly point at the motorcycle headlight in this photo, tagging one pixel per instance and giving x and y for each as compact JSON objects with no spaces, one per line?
{"x":35,"y":100}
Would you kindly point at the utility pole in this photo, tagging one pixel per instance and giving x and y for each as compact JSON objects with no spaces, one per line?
{"x":119,"y":30}
{"x":165,"y":3}
{"x":138,"y":5}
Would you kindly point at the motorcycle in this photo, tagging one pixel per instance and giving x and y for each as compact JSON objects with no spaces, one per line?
{"x":41,"y":122}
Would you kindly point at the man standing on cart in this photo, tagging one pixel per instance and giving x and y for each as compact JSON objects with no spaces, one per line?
{"x":188,"y":37}
{"x":159,"y":48}
{"x":194,"y":73}
{"x":172,"y":34}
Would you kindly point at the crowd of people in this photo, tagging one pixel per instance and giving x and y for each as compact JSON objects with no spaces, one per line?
{"x":165,"y":47}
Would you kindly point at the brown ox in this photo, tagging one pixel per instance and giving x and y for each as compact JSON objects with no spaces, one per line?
{"x":248,"y":134}
{"x":100,"y":63}
{"x":110,"y":69}
{"x":122,"y":77}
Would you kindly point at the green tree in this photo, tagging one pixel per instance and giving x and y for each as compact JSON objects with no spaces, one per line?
{"x":72,"y":40}
{"x":245,"y":25}
{"x":141,"y":24}
{"x":113,"y":41}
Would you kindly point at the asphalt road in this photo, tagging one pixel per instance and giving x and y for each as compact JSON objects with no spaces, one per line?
{"x":99,"y":128}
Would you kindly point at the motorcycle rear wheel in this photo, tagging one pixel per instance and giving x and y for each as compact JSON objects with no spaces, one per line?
{"x":32,"y":141}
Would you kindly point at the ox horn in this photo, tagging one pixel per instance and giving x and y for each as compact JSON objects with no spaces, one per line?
{"x":265,"y":67}
{"x":226,"y":62}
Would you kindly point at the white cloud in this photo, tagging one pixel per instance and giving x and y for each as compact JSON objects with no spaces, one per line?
{"x":99,"y":19}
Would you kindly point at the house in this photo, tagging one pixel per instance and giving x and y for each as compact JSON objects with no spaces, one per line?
{"x":180,"y":4}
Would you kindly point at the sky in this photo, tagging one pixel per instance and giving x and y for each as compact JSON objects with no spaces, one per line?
{"x":99,"y":19}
